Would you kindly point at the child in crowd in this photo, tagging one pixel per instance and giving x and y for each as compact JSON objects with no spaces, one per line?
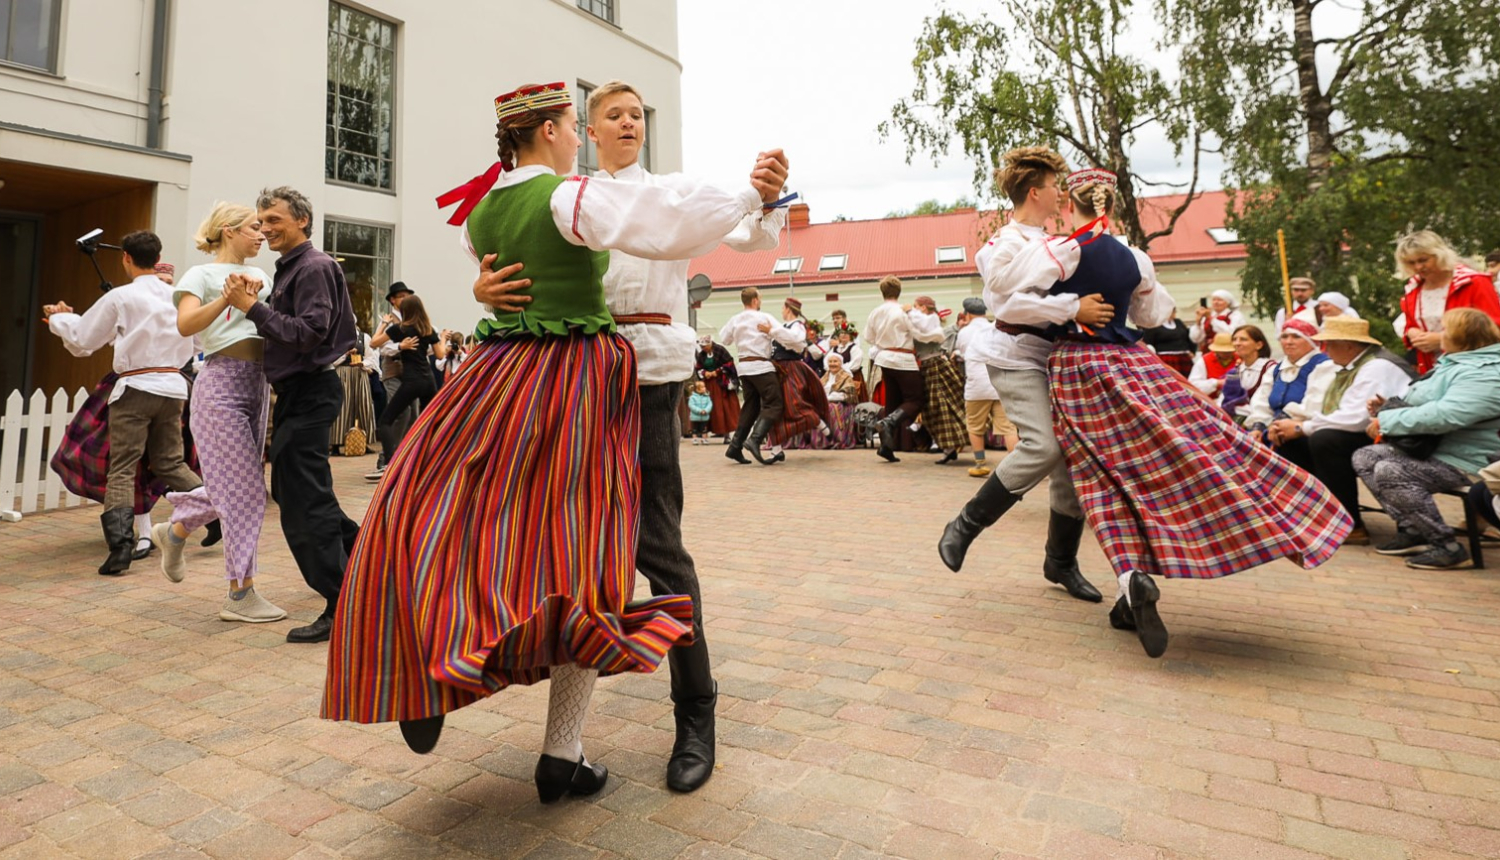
{"x":700,"y":406}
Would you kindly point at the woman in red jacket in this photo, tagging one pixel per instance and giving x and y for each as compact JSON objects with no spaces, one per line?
{"x":1439,"y":283}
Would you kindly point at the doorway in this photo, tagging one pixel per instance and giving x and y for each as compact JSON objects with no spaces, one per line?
{"x":19,"y":257}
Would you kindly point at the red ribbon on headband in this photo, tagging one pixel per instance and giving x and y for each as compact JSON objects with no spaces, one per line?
{"x":468,"y":195}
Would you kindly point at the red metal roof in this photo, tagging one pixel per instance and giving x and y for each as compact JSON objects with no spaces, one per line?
{"x":907,"y":247}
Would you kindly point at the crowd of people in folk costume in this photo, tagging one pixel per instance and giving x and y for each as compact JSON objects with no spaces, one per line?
{"x":508,"y":523}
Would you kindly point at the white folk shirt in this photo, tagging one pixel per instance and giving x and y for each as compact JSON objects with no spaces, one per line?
{"x":977,"y":384}
{"x":1297,"y":308}
{"x":925,"y":327}
{"x":889,"y":329}
{"x":1260,"y":404}
{"x":743,"y":334}
{"x":141,"y":321}
{"x":634,"y":285}
{"x":1377,"y":377}
{"x":650,"y":222}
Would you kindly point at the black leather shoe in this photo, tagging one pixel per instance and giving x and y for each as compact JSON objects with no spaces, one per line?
{"x":948,"y":457}
{"x":1120,"y":616}
{"x":422,"y":735}
{"x":317,"y":631}
{"x":137,"y":554}
{"x":780,"y":457}
{"x":215,"y":533}
{"x":981,"y":512}
{"x":1148,"y":624}
{"x":556,"y":777}
{"x":1061,"y":566}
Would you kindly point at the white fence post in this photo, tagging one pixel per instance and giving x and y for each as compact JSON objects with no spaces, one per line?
{"x":10,"y":455}
{"x":27,"y":482}
{"x":36,"y":418}
{"x":57,"y":424}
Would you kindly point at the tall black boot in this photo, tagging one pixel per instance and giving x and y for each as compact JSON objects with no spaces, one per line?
{"x":119,"y":533}
{"x":1063,"y":536}
{"x":981,"y":512}
{"x":889,"y":426}
{"x":736,"y":449}
{"x":758,"y":434}
{"x":694,"y":696}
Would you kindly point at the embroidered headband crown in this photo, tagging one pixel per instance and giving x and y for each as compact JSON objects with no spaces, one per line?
{"x":526,"y":99}
{"x":1091,"y":176}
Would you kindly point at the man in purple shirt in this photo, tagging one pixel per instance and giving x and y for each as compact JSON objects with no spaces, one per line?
{"x":308,"y":324}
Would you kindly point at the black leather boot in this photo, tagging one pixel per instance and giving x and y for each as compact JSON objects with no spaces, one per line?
{"x":1063,"y":536}
{"x":215,"y":533}
{"x":422,"y":735}
{"x":889,"y":426}
{"x":694,"y":696}
{"x":736,"y":449}
{"x":1148,"y":624}
{"x":981,"y":512}
{"x":119,"y":533}
{"x":758,"y":434}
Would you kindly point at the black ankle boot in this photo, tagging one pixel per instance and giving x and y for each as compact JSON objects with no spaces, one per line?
{"x":889,"y":426}
{"x":694,"y":696}
{"x":557,"y":776}
{"x":736,"y":449}
{"x":422,"y":735}
{"x":1061,"y":566}
{"x":758,"y":435}
{"x":215,"y":534}
{"x":1148,"y":624}
{"x":119,"y":533}
{"x":987,"y":506}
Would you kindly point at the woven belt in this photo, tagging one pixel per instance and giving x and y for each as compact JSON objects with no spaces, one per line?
{"x":1022,"y":329}
{"x":898,"y":349}
{"x":145,"y":370}
{"x":643,"y":319}
{"x":753,"y":358}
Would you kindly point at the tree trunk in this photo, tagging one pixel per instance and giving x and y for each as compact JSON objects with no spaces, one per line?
{"x":1315,"y":104}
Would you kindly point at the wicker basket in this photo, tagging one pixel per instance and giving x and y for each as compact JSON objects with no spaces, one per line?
{"x":355,"y":443}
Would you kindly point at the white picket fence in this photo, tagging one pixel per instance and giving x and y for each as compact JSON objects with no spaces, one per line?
{"x":30,"y":433}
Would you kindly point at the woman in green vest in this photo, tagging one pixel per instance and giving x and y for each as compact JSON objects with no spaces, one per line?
{"x":499,"y":547}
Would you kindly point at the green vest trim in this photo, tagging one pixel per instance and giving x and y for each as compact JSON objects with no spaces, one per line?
{"x":1342,"y":379}
{"x":567,"y":281}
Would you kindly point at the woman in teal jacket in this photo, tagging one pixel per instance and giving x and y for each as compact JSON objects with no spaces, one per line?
{"x":1459,"y":401}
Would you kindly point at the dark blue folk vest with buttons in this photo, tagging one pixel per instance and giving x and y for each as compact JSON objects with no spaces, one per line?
{"x":1107,"y":267}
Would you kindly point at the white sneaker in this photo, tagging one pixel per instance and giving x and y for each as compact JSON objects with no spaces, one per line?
{"x":172,"y":565}
{"x":375,"y":475}
{"x":252,"y":609}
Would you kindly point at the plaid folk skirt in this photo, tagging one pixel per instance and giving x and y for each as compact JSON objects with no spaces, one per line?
{"x":806,"y":403}
{"x":943,"y":416}
{"x":501,"y":540}
{"x":82,"y":458}
{"x":1171,"y":486}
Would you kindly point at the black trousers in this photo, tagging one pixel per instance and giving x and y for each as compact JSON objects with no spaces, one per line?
{"x":391,"y":428}
{"x":661,"y":556}
{"x":762,"y":400}
{"x":317,"y":531}
{"x":904,"y":390}
{"x":1329,"y":456}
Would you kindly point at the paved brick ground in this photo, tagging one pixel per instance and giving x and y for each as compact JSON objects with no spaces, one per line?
{"x":873,"y":704}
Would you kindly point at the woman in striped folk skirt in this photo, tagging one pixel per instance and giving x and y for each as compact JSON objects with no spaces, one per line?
{"x":499,"y":547}
{"x":1171,"y":486}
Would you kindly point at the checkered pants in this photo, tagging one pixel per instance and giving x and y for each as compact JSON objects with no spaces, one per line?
{"x":230,"y":400}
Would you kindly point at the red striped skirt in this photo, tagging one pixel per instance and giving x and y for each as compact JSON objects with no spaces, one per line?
{"x":806,"y":403}
{"x":502,"y":539}
{"x":1170,"y":485}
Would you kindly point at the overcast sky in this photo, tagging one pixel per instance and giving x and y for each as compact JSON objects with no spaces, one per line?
{"x":817,"y":77}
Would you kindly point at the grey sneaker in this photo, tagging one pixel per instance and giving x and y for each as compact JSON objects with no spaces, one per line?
{"x":1443,"y":556}
{"x":252,"y":609}
{"x":1404,"y":543}
{"x":172,"y":565}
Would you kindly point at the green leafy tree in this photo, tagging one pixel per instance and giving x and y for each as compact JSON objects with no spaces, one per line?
{"x":933,"y":207}
{"x":1346,"y":127}
{"x":1045,"y":72}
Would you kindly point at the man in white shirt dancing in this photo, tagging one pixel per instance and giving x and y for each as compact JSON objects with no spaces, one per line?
{"x":752,"y":333}
{"x":892,"y":338}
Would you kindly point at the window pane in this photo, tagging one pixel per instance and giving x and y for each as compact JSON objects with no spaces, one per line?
{"x":364,"y":253}
{"x":361,"y":105}
{"x":29,"y":32}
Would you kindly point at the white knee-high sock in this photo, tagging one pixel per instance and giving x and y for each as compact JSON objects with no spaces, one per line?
{"x":567,"y":707}
{"x":143,"y":526}
{"x":1124,"y":592}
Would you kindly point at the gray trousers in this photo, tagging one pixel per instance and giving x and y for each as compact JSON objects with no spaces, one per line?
{"x":660,"y":555}
{"x":1029,"y":405}
{"x":1405,"y":486}
{"x":144,"y":423}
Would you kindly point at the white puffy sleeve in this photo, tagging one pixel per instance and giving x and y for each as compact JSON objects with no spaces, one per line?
{"x":1151,"y":305}
{"x":656,"y":222}
{"x":925,"y":328}
{"x":83,"y":335}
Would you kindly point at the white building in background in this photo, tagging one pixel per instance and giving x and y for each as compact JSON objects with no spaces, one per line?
{"x":131,"y":115}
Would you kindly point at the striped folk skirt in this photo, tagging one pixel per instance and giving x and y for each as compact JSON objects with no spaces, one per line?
{"x":806,"y":403}
{"x":502,"y":539}
{"x":1171,"y":486}
{"x":944,"y":415}
{"x":82,"y":457}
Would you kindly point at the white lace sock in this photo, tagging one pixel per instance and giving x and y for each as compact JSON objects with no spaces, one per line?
{"x":567,"y":707}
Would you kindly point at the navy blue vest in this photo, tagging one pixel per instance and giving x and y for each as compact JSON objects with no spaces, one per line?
{"x":781,"y":353}
{"x":1109,"y":268}
{"x":1283,"y":392}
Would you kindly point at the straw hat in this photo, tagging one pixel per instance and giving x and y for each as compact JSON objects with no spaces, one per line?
{"x":1222,"y":343}
{"x":1346,"y":328}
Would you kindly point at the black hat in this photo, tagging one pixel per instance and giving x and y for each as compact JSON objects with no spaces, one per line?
{"x":398,"y":287}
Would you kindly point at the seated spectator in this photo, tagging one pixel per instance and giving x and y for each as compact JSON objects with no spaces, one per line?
{"x":843,"y":395}
{"x":1288,"y":384}
{"x":1321,"y":433}
{"x":1173,"y":344}
{"x":1334,"y":304}
{"x":1253,"y":366}
{"x":1438,"y":282}
{"x":1460,"y":402}
{"x":1222,"y":316}
{"x":1210,"y":368}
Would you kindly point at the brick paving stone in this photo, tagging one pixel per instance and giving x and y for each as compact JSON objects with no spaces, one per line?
{"x":1297,"y":714}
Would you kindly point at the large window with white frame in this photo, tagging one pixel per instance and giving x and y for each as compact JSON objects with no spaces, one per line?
{"x":604,"y":10}
{"x":364,"y":252}
{"x":360,"y":134}
{"x":29,"y":32}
